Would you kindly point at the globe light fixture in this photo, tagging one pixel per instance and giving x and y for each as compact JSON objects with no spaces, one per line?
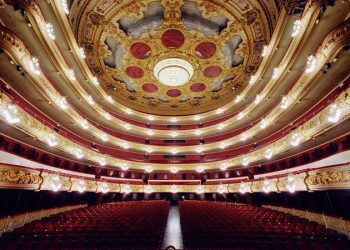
{"x":173,"y":72}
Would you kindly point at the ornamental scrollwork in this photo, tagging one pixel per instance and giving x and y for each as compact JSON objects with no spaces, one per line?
{"x":16,"y":176}
{"x":328,"y":177}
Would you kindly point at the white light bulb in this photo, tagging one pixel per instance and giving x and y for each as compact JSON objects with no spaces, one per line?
{"x":199,"y":149}
{"x":11,"y":114}
{"x":174,"y":170}
{"x":275,"y":73}
{"x":104,"y":137}
{"x":149,"y":149}
{"x":82,"y":53}
{"x":334,"y":113}
{"x":52,"y":140}
{"x":223,"y":166}
{"x":200,"y":189}
{"x":174,"y":189}
{"x":284,"y":102}
{"x":127,"y":126}
{"x":267,"y":186}
{"x":244,"y":188}
{"x":222,"y":189}
{"x":219,"y":111}
{"x":257,"y":99}
{"x":85,"y":124}
{"x":238,"y":99}
{"x":149,"y":169}
{"x":56,"y":183}
{"x":125,"y":167}
{"x":126,"y":189}
{"x":291,"y":183}
{"x":110,"y":99}
{"x":71,"y":75}
{"x":34,"y":65}
{"x":81,"y":186}
{"x":108,"y":116}
{"x":104,"y":187}
{"x":148,"y":189}
{"x":102,"y":161}
{"x":64,"y":5}
{"x":244,"y":136}
{"x":79,"y":153}
{"x":252,"y":80}
{"x":173,"y":134}
{"x":268,"y":153}
{"x":63,"y":103}
{"x":150,"y":132}
{"x":173,"y":151}
{"x":296,"y":28}
{"x":240,"y":115}
{"x":310,"y":64}
{"x":50,"y":31}
{"x":245,"y":161}
{"x":200,"y":169}
{"x":263,"y":123}
{"x":296,"y":139}
{"x":220,"y":126}
{"x":196,"y":118}
{"x":264,"y":51}
{"x":90,"y":100}
{"x":198,"y":132}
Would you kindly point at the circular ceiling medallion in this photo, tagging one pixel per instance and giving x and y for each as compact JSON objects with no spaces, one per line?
{"x":212,"y":71}
{"x":173,"y":38}
{"x":149,"y":87}
{"x":198,"y":87}
{"x":173,"y":92}
{"x":205,"y":49}
{"x":140,"y":50}
{"x":173,"y":71}
{"x":134,"y":72}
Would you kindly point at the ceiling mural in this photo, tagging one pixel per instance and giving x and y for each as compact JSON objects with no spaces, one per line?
{"x":174,"y":57}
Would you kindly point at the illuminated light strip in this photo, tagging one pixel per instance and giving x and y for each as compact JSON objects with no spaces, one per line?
{"x":73,"y":50}
{"x":219,"y":146}
{"x":53,"y":178}
{"x":40,"y":131}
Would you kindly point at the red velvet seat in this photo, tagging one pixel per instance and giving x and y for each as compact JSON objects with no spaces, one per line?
{"x":227,"y":225}
{"x":112,"y":226}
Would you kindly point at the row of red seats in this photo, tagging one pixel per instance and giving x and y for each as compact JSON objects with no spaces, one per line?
{"x":223,"y":225}
{"x":120,"y":225}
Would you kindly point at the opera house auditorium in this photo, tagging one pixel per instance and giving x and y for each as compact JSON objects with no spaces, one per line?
{"x":175,"y":124}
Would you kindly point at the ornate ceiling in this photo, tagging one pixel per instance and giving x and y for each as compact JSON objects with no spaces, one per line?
{"x":173,"y":86}
{"x":124,"y":40}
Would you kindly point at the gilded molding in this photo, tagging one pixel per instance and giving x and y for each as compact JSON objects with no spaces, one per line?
{"x":300,"y":185}
{"x":333,"y":178}
{"x":332,"y":43}
{"x":156,"y":103}
{"x":322,"y":179}
{"x":315,"y":125}
{"x":13,"y":177}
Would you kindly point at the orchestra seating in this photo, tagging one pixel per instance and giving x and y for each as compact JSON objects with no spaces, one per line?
{"x":223,"y":225}
{"x":120,"y":225}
